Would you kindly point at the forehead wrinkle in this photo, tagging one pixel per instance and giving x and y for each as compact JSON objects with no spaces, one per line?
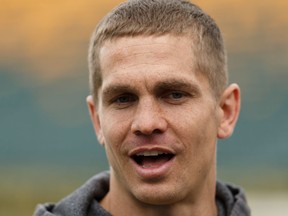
{"x":115,"y":50}
{"x":131,"y":58}
{"x":117,"y":47}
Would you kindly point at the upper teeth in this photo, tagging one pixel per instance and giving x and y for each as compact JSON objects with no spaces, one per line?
{"x":150,"y":153}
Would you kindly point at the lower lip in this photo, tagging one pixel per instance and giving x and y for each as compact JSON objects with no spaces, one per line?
{"x":153,"y":173}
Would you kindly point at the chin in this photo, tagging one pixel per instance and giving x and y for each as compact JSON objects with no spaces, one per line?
{"x":157,"y":196}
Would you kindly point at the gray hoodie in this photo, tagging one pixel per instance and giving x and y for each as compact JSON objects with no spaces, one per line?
{"x":230,"y":200}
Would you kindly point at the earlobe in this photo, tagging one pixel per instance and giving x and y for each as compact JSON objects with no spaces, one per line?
{"x":230,"y":107}
{"x":95,"y":119}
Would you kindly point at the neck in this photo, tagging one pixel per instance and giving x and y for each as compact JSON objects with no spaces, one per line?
{"x":204,"y":204}
{"x":169,"y":210}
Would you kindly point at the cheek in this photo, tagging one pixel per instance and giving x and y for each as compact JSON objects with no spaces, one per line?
{"x":113,"y":143}
{"x":115,"y":129}
{"x":196,"y":124}
{"x":197,"y":131}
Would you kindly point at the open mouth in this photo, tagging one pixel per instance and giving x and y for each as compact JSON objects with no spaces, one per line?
{"x":152,"y":159}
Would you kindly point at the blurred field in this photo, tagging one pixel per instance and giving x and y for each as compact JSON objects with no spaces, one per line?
{"x":268,"y":204}
{"x":47,"y":143}
{"x":22,"y":189}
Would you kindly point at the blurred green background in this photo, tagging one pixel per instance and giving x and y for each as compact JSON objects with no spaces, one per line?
{"x":47,"y":143}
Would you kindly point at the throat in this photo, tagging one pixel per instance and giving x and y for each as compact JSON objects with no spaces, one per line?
{"x":105,"y":203}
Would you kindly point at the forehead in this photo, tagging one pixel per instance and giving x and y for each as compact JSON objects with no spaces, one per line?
{"x":127,"y":52}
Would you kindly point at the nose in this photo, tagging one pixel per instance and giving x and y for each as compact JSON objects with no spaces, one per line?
{"x":149,"y":118}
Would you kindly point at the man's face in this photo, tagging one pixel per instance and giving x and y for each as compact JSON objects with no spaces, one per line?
{"x":157,"y":118}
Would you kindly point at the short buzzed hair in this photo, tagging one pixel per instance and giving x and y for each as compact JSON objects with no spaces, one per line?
{"x":161,"y":17}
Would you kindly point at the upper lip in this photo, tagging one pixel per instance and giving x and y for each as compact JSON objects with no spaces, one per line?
{"x":150,"y":149}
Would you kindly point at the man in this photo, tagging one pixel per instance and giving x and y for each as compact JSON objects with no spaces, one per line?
{"x":159,"y":102}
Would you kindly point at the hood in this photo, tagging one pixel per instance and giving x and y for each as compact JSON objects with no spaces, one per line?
{"x":231,"y":200}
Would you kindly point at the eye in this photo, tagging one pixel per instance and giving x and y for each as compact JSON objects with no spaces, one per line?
{"x":123,"y":101}
{"x":175,"y":97}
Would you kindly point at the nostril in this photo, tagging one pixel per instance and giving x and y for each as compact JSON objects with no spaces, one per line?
{"x":157,"y":131}
{"x":147,"y":133}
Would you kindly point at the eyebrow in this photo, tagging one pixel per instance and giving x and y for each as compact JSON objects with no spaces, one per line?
{"x":168,"y":84}
{"x":177,"y":84}
{"x":114,"y":89}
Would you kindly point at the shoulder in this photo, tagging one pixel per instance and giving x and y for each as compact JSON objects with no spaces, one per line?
{"x":81,"y":201}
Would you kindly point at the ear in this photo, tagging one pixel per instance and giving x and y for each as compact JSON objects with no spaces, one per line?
{"x":230,"y":107}
{"x":95,"y":119}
